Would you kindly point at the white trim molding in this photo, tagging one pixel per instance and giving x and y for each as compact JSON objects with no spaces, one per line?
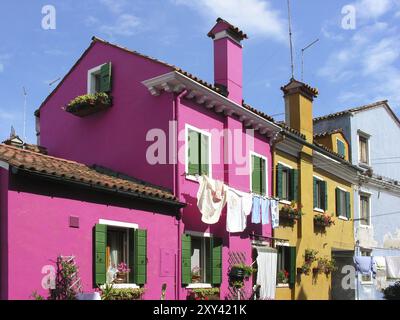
{"x":177,"y":82}
{"x":90,"y":85}
{"x":119,"y":224}
{"x":4,"y":165}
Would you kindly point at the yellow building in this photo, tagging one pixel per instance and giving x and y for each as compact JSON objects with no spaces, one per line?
{"x":313,"y":177}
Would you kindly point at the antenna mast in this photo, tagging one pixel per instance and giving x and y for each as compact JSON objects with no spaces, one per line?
{"x":290,"y":40}
{"x":24,"y":128}
{"x":302,"y":57}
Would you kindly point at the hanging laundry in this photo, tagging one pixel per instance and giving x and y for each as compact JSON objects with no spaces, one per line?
{"x":363,"y":264}
{"x":274,"y":206}
{"x":239,"y":207}
{"x":393,"y":267}
{"x":266,"y":272}
{"x":265,"y":208}
{"x":211,"y":199}
{"x":255,"y":216}
{"x":380,"y":263}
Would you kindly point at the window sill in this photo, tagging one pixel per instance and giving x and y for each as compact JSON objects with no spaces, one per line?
{"x":199,"y":286}
{"x":343,"y":218}
{"x":122,"y":286}
{"x":367,"y":283}
{"x":192,"y":178}
{"x":365,"y":226}
{"x":282,"y":285}
{"x":319,"y":210}
{"x":364,"y":165}
{"x":285,"y":202}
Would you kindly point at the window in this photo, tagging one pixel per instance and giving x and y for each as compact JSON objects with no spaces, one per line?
{"x":258,"y":174}
{"x":287,"y":183}
{"x":363,"y":147}
{"x":341,"y":148}
{"x":99,"y":79}
{"x":365,"y":209}
{"x":343,"y":203}
{"x":320,"y":194}
{"x":114,"y":246}
{"x":286,"y":265}
{"x":201,"y":260}
{"x":198,"y":152}
{"x":366,"y":278}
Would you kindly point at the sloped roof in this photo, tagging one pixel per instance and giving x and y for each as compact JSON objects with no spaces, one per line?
{"x":74,"y":172}
{"x":359,"y":109}
{"x":235,"y":30}
{"x":327,"y":133}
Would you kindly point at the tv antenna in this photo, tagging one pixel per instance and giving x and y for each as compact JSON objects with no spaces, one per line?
{"x":302,"y":57}
{"x":290,"y":40}
{"x":53,"y":82}
{"x":25,"y":99}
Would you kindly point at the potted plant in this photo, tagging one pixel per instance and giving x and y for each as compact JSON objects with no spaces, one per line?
{"x":326,"y":266}
{"x":310,"y":256}
{"x":239,"y":273}
{"x":87,"y":104}
{"x":304,"y":269}
{"x":110,"y":293}
{"x":122,"y":273}
{"x":196,"y":275}
{"x":283,"y":276}
{"x":323,"y":220}
{"x":291,"y":211}
{"x":204,"y":294}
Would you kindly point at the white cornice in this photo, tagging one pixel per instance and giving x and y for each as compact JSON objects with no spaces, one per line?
{"x":378,"y":183}
{"x":4,"y":165}
{"x":334,"y":167}
{"x":177,"y":82}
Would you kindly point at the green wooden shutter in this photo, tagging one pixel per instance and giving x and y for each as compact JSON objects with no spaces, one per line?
{"x":256,"y":175}
{"x":338,"y":209}
{"x":324,"y":196}
{"x":341,"y":148}
{"x":315,"y":192}
{"x":105,"y":77}
{"x":204,"y":154}
{"x":186,"y":259}
{"x":293,"y":184}
{"x":140,"y":266}
{"x":193,"y":152}
{"x":292,"y":271}
{"x":348,"y":208}
{"x":100,"y":239}
{"x":216,"y":260}
{"x":279,"y":169}
{"x":263,"y":181}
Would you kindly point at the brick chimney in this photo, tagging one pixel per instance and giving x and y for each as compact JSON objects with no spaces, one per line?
{"x":228,"y":59}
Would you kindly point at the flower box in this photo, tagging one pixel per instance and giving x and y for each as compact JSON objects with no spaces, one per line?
{"x":291,"y":211}
{"x":323,"y":220}
{"x":88,"y":104}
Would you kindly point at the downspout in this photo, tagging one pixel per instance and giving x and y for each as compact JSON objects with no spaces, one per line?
{"x":177,"y":191}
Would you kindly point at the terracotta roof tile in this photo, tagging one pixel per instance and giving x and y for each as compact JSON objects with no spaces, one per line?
{"x":232,"y":28}
{"x":70,"y":170}
{"x":327,"y":133}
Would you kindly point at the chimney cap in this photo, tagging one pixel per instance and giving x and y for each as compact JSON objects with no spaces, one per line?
{"x":298,"y":86}
{"x":223,"y":25}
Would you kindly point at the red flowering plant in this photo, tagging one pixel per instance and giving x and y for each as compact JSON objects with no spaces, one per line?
{"x":324,"y":219}
{"x":283,"y":276}
{"x":291,"y":211}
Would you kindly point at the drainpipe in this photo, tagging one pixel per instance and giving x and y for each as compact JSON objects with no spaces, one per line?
{"x":177,"y":192}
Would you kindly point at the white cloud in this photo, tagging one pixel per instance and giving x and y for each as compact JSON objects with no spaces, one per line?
{"x":373,"y":9}
{"x":380,"y":57}
{"x":125,"y":25}
{"x":115,"y":6}
{"x":255,"y":17}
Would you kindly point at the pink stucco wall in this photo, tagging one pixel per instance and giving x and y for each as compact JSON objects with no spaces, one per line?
{"x":38,"y":231}
{"x":115,"y":138}
{"x":3,"y":233}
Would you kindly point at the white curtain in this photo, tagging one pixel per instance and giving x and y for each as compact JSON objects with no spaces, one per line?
{"x":266,"y":272}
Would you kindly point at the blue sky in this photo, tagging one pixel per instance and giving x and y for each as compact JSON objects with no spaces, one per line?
{"x":349,"y":67}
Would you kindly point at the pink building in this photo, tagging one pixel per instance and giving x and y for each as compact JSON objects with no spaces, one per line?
{"x":165,"y":127}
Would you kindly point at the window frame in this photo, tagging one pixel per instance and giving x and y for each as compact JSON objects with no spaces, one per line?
{"x":368,"y":196}
{"x":344,"y":147}
{"x":127,"y":226}
{"x":370,"y":281}
{"x":203,"y":236}
{"x":341,"y":216}
{"x":320,"y":180}
{"x":252,"y":153}
{"x":288,"y":170}
{"x":91,"y":84}
{"x":363,"y":135}
{"x":286,"y":255}
{"x":209,"y":136}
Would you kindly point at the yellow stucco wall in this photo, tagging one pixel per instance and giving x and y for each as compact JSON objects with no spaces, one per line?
{"x":329,"y":141}
{"x":302,"y":234}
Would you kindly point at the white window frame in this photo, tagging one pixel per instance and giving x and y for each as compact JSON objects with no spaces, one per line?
{"x":206,"y":133}
{"x":90,"y":83}
{"x":283,"y":201}
{"x":281,"y":244}
{"x":367,"y":137}
{"x":126,"y":225}
{"x":323,"y":180}
{"x":253,"y":153}
{"x":365,"y":194}
{"x":342,"y":217}
{"x":198,"y":235}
